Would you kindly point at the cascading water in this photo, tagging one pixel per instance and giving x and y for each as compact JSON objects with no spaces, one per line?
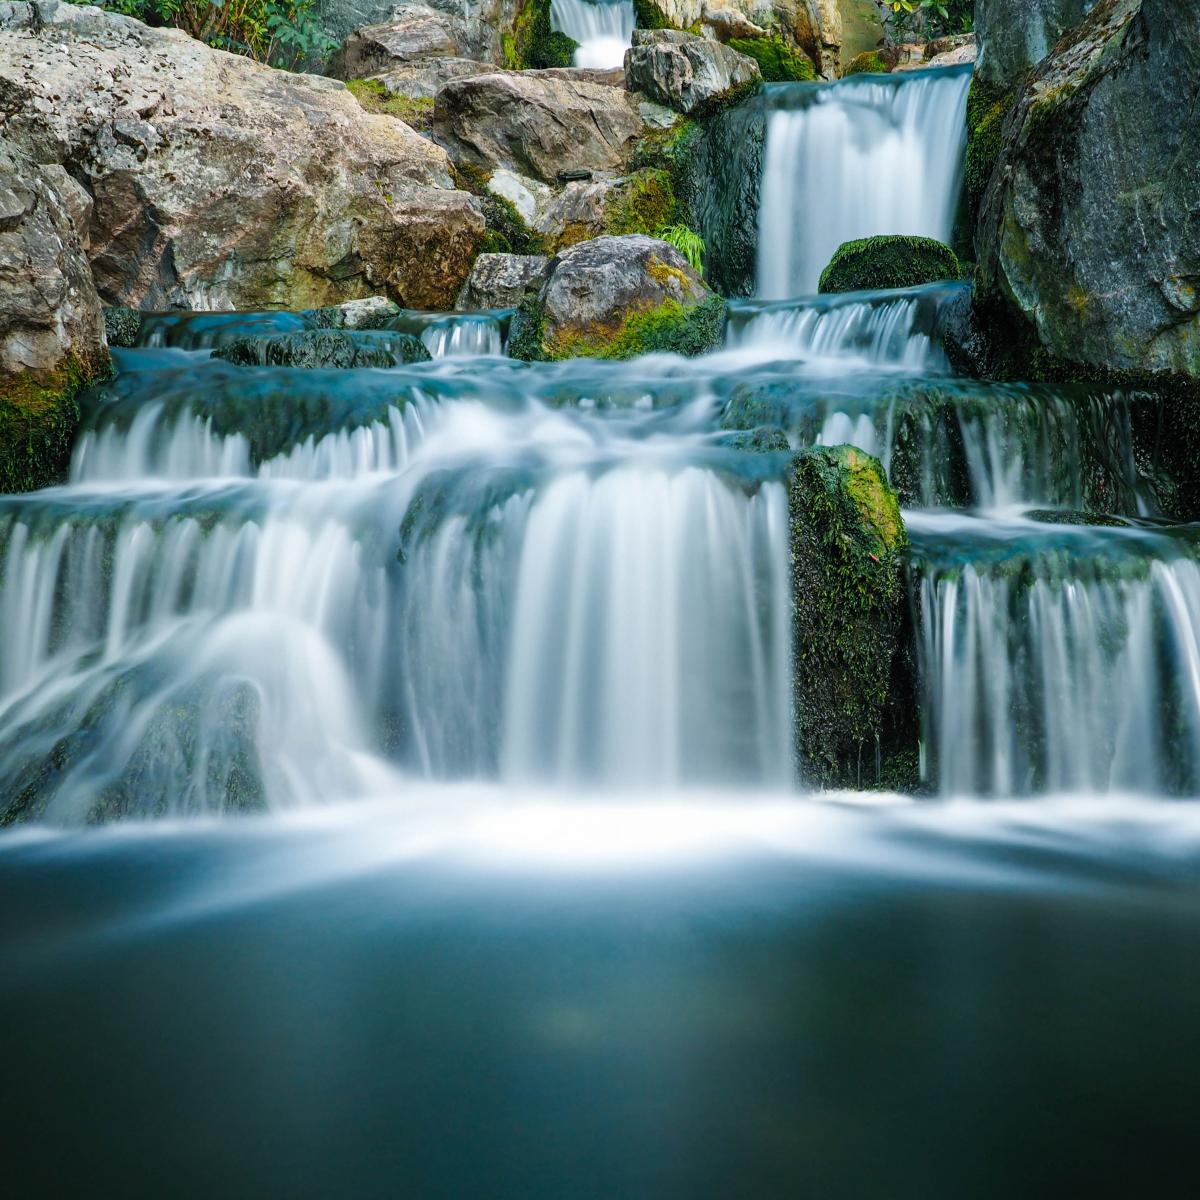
{"x":603,"y":29}
{"x":866,"y":156}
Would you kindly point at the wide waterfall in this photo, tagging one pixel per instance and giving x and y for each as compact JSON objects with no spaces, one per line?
{"x":603,"y":29}
{"x":866,"y":156}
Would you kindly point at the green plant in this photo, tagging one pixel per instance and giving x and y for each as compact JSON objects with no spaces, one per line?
{"x":932,"y":18}
{"x":687,"y":242}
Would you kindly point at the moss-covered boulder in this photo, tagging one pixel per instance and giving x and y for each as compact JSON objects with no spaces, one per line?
{"x":618,"y":297}
{"x":870,"y":62}
{"x":324,"y":348}
{"x":892,"y":261}
{"x":51,"y":323}
{"x":778,"y":62}
{"x":847,"y":539}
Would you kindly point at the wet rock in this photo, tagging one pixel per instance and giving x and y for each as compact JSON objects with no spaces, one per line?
{"x":373,"y":312}
{"x":894,"y":261}
{"x":122,"y":326}
{"x":220,"y":183}
{"x":847,"y":538}
{"x":1088,"y":238}
{"x":1015,"y":35}
{"x":51,"y":324}
{"x":323,"y":349}
{"x":501,"y":280}
{"x":617,"y":297}
{"x":537,"y":124}
{"x":683,"y":71}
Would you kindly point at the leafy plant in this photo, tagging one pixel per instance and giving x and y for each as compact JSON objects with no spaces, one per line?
{"x":687,"y":242}
{"x":930,"y":18}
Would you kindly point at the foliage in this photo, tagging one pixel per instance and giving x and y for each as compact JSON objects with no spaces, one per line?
{"x":778,"y":62}
{"x":282,"y":33}
{"x":904,"y":19}
{"x":644,"y":204}
{"x":374,"y":96}
{"x":890,"y":261}
{"x":687,"y":242}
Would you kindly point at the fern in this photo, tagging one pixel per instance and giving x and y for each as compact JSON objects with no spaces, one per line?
{"x":688,"y":243}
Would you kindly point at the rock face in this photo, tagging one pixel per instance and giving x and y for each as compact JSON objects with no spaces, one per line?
{"x":847,"y":537}
{"x":51,"y":323}
{"x":617,"y":297}
{"x":537,"y":124}
{"x":683,"y":71}
{"x":219,"y":183}
{"x":501,"y":280}
{"x":1090,"y":226}
{"x":1015,"y":35}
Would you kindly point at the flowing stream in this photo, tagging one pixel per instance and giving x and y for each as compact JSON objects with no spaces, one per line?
{"x":449,"y":709}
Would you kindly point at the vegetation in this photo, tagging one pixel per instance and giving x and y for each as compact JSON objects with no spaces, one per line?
{"x":282,"y":33}
{"x":869,"y":63}
{"x":645,"y":204}
{"x":778,"y":62}
{"x":906,"y":19}
{"x":374,"y":96}
{"x":689,"y":243}
{"x":847,"y":542}
{"x":533,"y":43}
{"x":987,"y":106}
{"x":892,"y":261}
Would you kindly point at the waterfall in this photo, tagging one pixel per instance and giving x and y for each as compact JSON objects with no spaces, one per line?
{"x":863,"y":157}
{"x":1058,"y":659}
{"x":604,"y":30}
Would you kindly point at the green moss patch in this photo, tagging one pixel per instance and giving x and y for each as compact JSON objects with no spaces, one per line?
{"x":645,"y":204}
{"x":778,"y":62}
{"x":416,"y":111}
{"x":987,"y":107}
{"x":892,"y":261}
{"x":847,"y":539}
{"x":869,"y":63}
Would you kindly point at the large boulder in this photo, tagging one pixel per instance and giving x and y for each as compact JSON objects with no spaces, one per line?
{"x":478,"y":25}
{"x":51,"y":323}
{"x":220,"y":183}
{"x":683,"y":71}
{"x":1090,"y":226}
{"x":618,"y":297}
{"x":501,"y":280}
{"x":537,"y":124}
{"x":1015,"y":35}
{"x":416,"y":33}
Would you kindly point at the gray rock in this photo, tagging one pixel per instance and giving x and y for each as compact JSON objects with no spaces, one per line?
{"x":122,"y":326}
{"x":684,"y":71}
{"x":326,"y":348}
{"x":369,"y":313}
{"x":479,"y":24}
{"x":219,"y":183}
{"x":415,"y":33}
{"x":427,"y":77}
{"x":537,"y":124}
{"x":1015,"y":35}
{"x":594,"y":289}
{"x":501,"y":280}
{"x":1090,"y":226}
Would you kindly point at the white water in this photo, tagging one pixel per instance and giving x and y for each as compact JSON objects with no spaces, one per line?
{"x":604,"y":31}
{"x":855,"y":160}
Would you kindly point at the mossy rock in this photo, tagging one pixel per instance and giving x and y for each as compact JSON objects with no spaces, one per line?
{"x":533,"y":44}
{"x":847,"y":541}
{"x":778,"y":62}
{"x":870,"y":62}
{"x":324,"y":349}
{"x":39,"y":416}
{"x":891,"y":261}
{"x":645,"y":203}
{"x":122,"y":326}
{"x":375,"y":97}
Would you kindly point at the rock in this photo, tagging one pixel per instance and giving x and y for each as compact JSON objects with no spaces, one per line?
{"x":893,"y":261}
{"x":122,"y":326}
{"x":51,"y":324}
{"x":373,"y":312}
{"x":1015,"y":35}
{"x":954,"y":51}
{"x":870,"y":62}
{"x":816,"y":27}
{"x":683,"y":71}
{"x":478,"y":25}
{"x":501,"y":280}
{"x":416,"y":32}
{"x":220,"y":183}
{"x":1090,"y":228}
{"x":423,"y":80}
{"x":847,"y":539}
{"x":323,"y":349}
{"x":617,"y":297}
{"x":777,"y":61}
{"x":537,"y":124}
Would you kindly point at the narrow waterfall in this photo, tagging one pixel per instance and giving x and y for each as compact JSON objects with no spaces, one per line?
{"x":866,"y":156}
{"x":1058,"y":659}
{"x":603,"y":29}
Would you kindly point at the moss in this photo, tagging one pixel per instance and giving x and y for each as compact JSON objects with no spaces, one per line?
{"x":39,"y":414}
{"x":122,"y":326}
{"x":847,"y":540}
{"x":644,"y":204}
{"x":669,"y":327}
{"x":778,"y":62}
{"x":987,"y":107}
{"x":869,"y":63}
{"x":507,"y":232}
{"x":533,"y":43}
{"x":416,"y":111}
{"x":892,"y":261}
{"x":650,"y":16}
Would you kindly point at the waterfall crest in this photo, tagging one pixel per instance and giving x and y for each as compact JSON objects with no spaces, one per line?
{"x":603,"y":29}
